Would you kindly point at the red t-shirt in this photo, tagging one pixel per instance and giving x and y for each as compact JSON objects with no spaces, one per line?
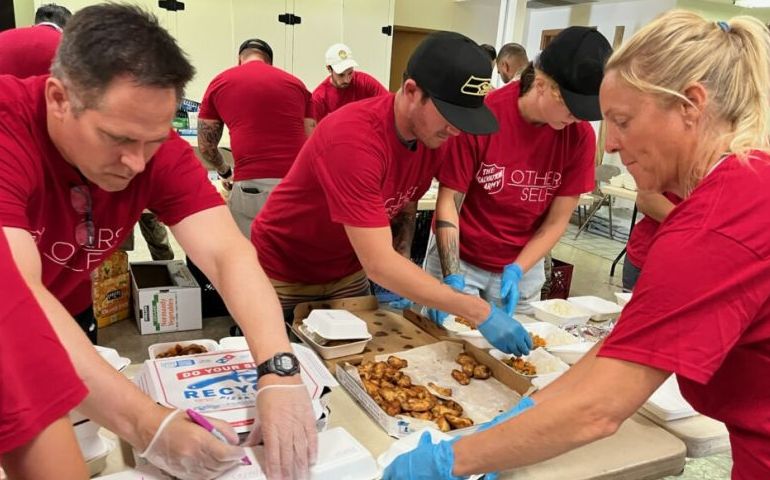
{"x":353,"y":171}
{"x":28,"y":51}
{"x":701,"y":308}
{"x":511,"y":177}
{"x":642,"y":236}
{"x":38,"y":384}
{"x":264,"y":108}
{"x":35,"y":184}
{"x":328,"y":98}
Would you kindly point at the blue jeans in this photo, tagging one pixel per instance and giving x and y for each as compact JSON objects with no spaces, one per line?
{"x":630,"y":274}
{"x":486,"y":284}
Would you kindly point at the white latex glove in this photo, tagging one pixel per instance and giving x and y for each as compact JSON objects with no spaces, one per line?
{"x":286,"y":424}
{"x":186,"y":450}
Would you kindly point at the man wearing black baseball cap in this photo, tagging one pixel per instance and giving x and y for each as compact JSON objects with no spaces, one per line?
{"x":519,"y":186}
{"x":270,"y":115}
{"x":327,"y":226}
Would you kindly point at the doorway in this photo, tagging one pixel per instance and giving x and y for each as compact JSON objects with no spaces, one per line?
{"x":405,"y":40}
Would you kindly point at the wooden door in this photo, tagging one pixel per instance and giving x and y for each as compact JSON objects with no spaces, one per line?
{"x":405,"y":40}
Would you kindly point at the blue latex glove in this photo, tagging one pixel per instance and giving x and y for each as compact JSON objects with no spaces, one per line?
{"x":456,"y":281}
{"x":509,"y":287}
{"x":505,"y":333}
{"x":426,"y":462}
{"x":400,"y":304}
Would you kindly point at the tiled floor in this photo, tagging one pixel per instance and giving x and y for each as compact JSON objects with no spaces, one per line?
{"x":590,"y":254}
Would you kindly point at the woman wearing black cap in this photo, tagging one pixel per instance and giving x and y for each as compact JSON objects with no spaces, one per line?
{"x":687,"y":107}
{"x":519,"y":187}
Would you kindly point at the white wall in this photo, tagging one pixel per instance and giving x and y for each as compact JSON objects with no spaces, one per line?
{"x":24,"y":12}
{"x":633,"y":15}
{"x":722,"y":11}
{"x":476,"y":19}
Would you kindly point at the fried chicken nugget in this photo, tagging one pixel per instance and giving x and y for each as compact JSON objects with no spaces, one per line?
{"x":379,"y":369}
{"x":454,"y":406}
{"x":397,"y":363}
{"x":461,"y":377}
{"x":464,"y":358}
{"x":421,"y":415}
{"x":405,"y":381}
{"x":371,"y":388}
{"x":442,"y":423}
{"x":440,"y":410}
{"x":468,"y":368}
{"x":392,"y":408}
{"x":482,"y":372}
{"x":443,"y":391}
{"x":388,"y":394}
{"x":458,"y":422}
{"x":416,"y":405}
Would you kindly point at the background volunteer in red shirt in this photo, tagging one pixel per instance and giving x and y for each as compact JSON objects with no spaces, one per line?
{"x":655,"y":207}
{"x":28,"y":51}
{"x":506,"y":199}
{"x":38,"y":387}
{"x":686,"y":105}
{"x":344,"y":84}
{"x":82,"y":153}
{"x":328,"y":224}
{"x":269,"y":113}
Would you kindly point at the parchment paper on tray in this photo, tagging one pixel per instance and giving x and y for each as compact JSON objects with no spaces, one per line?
{"x":481,"y":400}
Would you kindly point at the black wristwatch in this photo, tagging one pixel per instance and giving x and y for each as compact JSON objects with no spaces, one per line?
{"x":282,"y":364}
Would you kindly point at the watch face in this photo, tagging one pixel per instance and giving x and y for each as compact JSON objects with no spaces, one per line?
{"x":285,"y":363}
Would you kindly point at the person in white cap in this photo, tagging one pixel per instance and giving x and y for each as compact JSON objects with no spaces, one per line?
{"x":344,"y":84}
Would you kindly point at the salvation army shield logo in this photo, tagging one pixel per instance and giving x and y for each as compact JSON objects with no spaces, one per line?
{"x":490,"y":177}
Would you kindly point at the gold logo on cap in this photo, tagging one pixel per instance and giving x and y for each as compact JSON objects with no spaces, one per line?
{"x":477,"y":86}
{"x":342,"y":54}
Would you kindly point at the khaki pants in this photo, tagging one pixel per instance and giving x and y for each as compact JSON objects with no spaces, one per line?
{"x":292,"y":294}
{"x":247,"y":199}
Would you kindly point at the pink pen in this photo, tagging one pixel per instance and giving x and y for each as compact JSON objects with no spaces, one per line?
{"x":199,"y":419}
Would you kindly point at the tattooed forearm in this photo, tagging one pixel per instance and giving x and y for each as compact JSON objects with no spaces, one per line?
{"x":447,"y":239}
{"x":209,"y":135}
{"x":403,"y":226}
{"x":459,"y":198}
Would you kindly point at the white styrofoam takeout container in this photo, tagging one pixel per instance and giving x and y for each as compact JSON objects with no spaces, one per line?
{"x":572,"y":353}
{"x":553,"y":335}
{"x":329,"y":352}
{"x":623,"y":298}
{"x":157,"y":348}
{"x":600,"y":308}
{"x":336,"y":325}
{"x":560,"y":312}
{"x":458,"y":330}
{"x":544,"y":362}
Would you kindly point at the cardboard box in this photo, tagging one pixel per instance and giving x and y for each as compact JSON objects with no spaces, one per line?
{"x":166,"y":297}
{"x":390,"y":331}
{"x":111,"y":290}
{"x":402,"y":426}
{"x":223,"y":384}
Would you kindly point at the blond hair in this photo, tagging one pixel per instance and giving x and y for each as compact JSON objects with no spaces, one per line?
{"x":730,"y":59}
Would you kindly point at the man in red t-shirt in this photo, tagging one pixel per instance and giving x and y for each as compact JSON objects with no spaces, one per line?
{"x":82,"y":154}
{"x":506,"y":199}
{"x":328,"y":224}
{"x":344,"y":84}
{"x":29,"y":51}
{"x":655,"y":207}
{"x":269,"y":115}
{"x":39,"y":387}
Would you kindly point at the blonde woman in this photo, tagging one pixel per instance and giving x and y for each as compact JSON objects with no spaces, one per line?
{"x":686,"y":105}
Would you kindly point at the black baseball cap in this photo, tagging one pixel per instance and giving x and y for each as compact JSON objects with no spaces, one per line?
{"x":575,"y":60}
{"x":457,"y":74}
{"x":257,"y":44}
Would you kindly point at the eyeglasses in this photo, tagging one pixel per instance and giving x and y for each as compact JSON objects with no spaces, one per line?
{"x":85,"y":231}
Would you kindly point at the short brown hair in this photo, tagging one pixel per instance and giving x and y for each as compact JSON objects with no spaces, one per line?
{"x":106,"y":41}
